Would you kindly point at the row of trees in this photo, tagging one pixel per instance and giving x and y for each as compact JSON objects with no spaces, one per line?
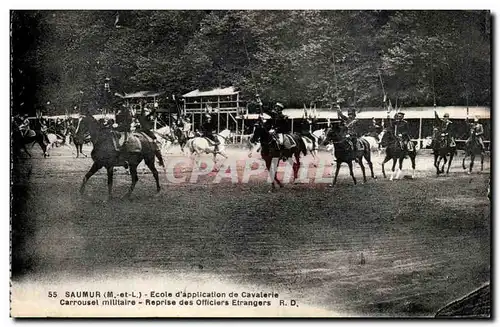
{"x":291,"y":56}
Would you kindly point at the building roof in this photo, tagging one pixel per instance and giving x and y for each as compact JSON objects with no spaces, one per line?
{"x":410,"y":112}
{"x":140,"y":94}
{"x":253,"y":116}
{"x":214,"y":92}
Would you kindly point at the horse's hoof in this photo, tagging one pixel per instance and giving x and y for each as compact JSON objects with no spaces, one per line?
{"x":331,"y":185}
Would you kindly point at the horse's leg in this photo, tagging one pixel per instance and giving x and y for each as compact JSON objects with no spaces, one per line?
{"x":436,"y":163}
{"x":362,"y":168}
{"x":272,"y":171}
{"x":110,"y":180}
{"x":463,"y":161}
{"x":95,"y":167}
{"x":452,"y":154}
{"x":276,"y":173}
{"x":394,"y":161}
{"x":351,"y":171}
{"x":383,"y":165}
{"x":81,"y":150}
{"x":135,"y":178}
{"x":445,"y":160}
{"x":368,"y":157}
{"x":472,"y":158}
{"x":400,"y":167}
{"x":336,"y":173}
{"x":150,"y":162}
{"x":297,"y":165}
{"x":412,"y":158}
{"x":482,"y":160}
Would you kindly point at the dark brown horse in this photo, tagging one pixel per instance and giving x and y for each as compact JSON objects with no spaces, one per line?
{"x":395,"y":152}
{"x":344,"y":151}
{"x":472,"y":149}
{"x":80,"y":136}
{"x":105,"y":154}
{"x":20,"y":140}
{"x":442,"y":150}
{"x":270,"y":150}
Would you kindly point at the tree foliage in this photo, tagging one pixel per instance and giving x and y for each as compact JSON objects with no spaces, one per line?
{"x":290,"y":56}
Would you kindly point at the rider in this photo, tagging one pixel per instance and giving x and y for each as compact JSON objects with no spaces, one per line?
{"x":278,"y":124}
{"x":146,"y":119}
{"x":352,"y":125}
{"x":25,"y":125}
{"x":477,"y":129}
{"x":446,"y":128}
{"x":402,"y":130}
{"x":308,"y":124}
{"x":207,"y":129}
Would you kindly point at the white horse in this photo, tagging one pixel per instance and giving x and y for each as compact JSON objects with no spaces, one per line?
{"x":319,"y":136}
{"x":198,"y":145}
{"x":165,"y":137}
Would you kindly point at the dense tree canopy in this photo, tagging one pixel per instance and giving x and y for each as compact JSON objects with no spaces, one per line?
{"x":64,"y":57}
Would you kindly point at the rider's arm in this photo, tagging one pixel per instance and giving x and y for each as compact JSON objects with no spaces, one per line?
{"x":481,"y":131}
{"x":341,"y":115}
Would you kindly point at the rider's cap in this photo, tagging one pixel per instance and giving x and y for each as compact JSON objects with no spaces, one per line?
{"x":351,"y":111}
{"x":208,"y":116}
{"x":402,"y":114}
{"x":280,"y":105}
{"x":446,"y":115}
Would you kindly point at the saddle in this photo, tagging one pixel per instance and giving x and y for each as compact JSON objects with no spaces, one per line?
{"x":211,"y":142}
{"x":288,"y":142}
{"x":132,"y":144}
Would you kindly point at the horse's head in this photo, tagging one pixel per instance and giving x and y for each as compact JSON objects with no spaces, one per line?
{"x":320,"y":134}
{"x":386,"y":138}
{"x":225,"y":133}
{"x":336,"y":133}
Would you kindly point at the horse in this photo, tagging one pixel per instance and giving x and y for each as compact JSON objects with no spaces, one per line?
{"x":344,"y":152}
{"x":165,"y":137}
{"x":80,"y":137}
{"x":198,"y":145}
{"x":139,"y":147}
{"x":396,"y":153}
{"x":473,"y":148}
{"x":442,"y":150}
{"x":374,"y":141}
{"x":20,"y":140}
{"x":270,"y":149}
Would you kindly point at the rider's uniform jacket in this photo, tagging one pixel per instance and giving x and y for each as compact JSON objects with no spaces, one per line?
{"x":352,"y":124}
{"x":278,"y":122}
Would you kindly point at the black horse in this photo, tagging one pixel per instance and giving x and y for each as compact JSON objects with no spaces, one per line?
{"x":442,"y":150}
{"x":79,"y":136}
{"x":270,"y":149}
{"x":105,"y":154}
{"x":472,"y":149}
{"x":394,"y":150}
{"x":345,"y":152}
{"x":20,"y":139}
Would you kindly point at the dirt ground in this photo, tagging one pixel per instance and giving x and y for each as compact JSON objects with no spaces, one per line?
{"x":385,"y":248}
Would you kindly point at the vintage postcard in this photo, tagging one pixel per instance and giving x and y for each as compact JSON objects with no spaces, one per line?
{"x":251,"y":163}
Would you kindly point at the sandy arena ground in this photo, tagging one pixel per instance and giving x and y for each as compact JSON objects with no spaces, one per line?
{"x":385,"y":248}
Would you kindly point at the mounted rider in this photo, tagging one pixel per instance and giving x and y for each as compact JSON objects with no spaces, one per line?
{"x":401,"y":130}
{"x":207,"y":129}
{"x":476,"y":130}
{"x":445,"y":127}
{"x":278,"y":124}
{"x":307,"y":126}
{"x":146,"y":120}
{"x":352,"y":125}
{"x":24,"y":124}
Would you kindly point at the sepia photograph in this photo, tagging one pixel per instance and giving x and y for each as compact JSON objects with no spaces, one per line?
{"x":251,"y":163}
